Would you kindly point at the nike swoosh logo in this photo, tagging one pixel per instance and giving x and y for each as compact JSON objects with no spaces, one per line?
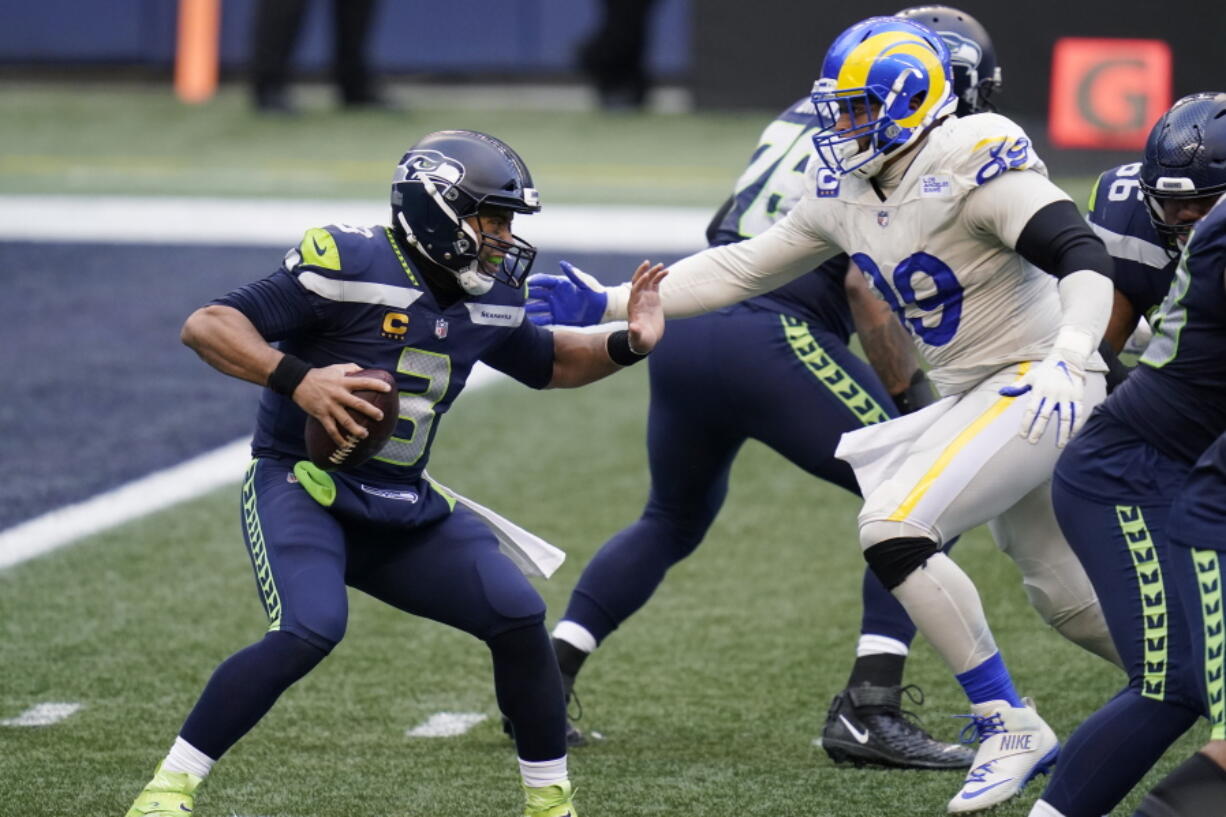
{"x":971,"y":795}
{"x":861,"y":737}
{"x":319,"y":249}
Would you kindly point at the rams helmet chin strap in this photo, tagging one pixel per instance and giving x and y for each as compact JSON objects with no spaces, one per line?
{"x":471,"y":279}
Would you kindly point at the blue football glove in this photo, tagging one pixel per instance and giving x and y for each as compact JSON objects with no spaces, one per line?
{"x":577,"y":299}
{"x":1056,"y":386}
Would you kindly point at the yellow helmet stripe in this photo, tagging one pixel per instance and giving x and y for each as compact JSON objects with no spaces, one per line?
{"x":937,"y":87}
{"x":856,"y":67}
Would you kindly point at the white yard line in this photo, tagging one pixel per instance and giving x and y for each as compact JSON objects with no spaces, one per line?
{"x":446,"y":724}
{"x":280,"y":223}
{"x":149,"y":494}
{"x":44,"y":714}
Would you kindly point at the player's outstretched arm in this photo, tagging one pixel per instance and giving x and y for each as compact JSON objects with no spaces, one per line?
{"x":581,"y":358}
{"x":228,"y":341}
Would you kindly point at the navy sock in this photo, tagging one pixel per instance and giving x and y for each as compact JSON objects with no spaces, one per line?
{"x":528,"y":686}
{"x":989,"y":681}
{"x":1111,"y":751}
{"x":244,"y":688}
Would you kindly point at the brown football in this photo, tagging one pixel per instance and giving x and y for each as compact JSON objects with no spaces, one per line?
{"x":323,"y":450}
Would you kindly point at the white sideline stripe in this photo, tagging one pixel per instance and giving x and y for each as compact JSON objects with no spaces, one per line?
{"x":282,"y":222}
{"x":146,"y":495}
{"x":446,"y":724}
{"x":43,"y":714}
{"x":157,"y":491}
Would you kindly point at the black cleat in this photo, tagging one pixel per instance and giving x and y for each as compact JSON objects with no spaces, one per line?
{"x":866,"y":725}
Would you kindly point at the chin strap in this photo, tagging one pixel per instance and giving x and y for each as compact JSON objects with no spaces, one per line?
{"x":471,"y":280}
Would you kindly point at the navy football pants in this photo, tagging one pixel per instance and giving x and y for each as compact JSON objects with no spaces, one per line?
{"x":716,"y":381}
{"x":1122,"y":542}
{"x":447,"y":568}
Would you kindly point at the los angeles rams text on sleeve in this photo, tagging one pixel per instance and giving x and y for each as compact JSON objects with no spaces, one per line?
{"x":372,"y":308}
{"x":1118,"y":215}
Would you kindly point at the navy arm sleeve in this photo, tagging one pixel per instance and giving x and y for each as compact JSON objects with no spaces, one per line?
{"x":526,"y":355}
{"x":277,"y":306}
{"x":1058,"y":240}
{"x":713,"y":236}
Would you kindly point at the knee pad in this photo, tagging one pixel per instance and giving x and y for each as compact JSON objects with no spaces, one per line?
{"x":893,"y":560}
{"x":295,"y":655}
{"x":511,"y":599}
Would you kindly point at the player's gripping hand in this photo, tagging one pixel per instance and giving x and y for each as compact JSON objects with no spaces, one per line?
{"x":326,"y":392}
{"x":1056,"y":385}
{"x":572,"y":299}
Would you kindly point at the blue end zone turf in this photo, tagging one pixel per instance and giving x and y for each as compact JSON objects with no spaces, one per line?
{"x":98,"y":388}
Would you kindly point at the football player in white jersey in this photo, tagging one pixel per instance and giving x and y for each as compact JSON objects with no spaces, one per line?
{"x":1006,"y":291}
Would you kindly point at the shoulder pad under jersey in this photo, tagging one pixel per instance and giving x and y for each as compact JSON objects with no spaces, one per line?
{"x":976,"y":149}
{"x":337,"y":251}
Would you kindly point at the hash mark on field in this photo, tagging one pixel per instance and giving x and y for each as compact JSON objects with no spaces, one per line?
{"x":43,"y":714}
{"x":446,"y":724}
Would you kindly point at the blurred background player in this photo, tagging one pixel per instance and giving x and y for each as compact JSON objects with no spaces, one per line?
{"x":1115,"y":485}
{"x":1006,"y":291}
{"x":426,"y":298}
{"x":1197,"y":535}
{"x":780,"y":365}
{"x":275,"y":33}
{"x":614,"y":57}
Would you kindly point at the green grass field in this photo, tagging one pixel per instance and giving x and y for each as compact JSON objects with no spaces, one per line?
{"x":709,"y":698}
{"x":100,"y":139}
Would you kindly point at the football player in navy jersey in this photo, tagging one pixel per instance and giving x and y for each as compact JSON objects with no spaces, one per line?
{"x":808,"y":388}
{"x":1197,"y":533}
{"x":426,"y":298}
{"x":1116,"y":482}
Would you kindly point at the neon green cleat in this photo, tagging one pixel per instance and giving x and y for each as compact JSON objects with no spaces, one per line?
{"x":549,"y":801}
{"x":168,"y":794}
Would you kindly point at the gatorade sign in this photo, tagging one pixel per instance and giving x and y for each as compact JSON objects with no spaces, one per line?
{"x":1107,"y":94}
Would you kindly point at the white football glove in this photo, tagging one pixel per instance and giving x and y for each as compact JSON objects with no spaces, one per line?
{"x":1056,"y":385}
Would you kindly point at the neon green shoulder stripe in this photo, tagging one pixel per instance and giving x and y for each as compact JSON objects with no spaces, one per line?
{"x":319,"y":249}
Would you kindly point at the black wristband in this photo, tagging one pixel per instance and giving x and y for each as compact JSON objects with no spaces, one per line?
{"x":915,"y":396}
{"x":618,"y":347}
{"x":288,"y":374}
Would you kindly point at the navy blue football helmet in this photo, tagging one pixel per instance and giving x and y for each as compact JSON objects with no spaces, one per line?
{"x":1185,"y":158}
{"x":971,"y":54}
{"x":449,"y":176}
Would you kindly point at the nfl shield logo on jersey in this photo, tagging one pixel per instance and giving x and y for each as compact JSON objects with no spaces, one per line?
{"x":883,"y":218}
{"x":440,"y":328}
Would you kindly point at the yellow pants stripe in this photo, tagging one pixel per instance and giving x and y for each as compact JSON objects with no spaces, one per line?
{"x":947,"y":456}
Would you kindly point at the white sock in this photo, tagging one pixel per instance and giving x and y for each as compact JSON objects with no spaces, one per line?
{"x":944,"y":604}
{"x":879,"y":645}
{"x":576,"y":635}
{"x":184,"y":757}
{"x":1042,"y":808}
{"x":538,"y":773}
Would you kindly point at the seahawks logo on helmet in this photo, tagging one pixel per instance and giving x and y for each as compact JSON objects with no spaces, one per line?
{"x":962,"y":50}
{"x":429,"y":165}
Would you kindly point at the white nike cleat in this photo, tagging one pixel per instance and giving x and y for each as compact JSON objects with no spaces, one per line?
{"x":1015,"y":745}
